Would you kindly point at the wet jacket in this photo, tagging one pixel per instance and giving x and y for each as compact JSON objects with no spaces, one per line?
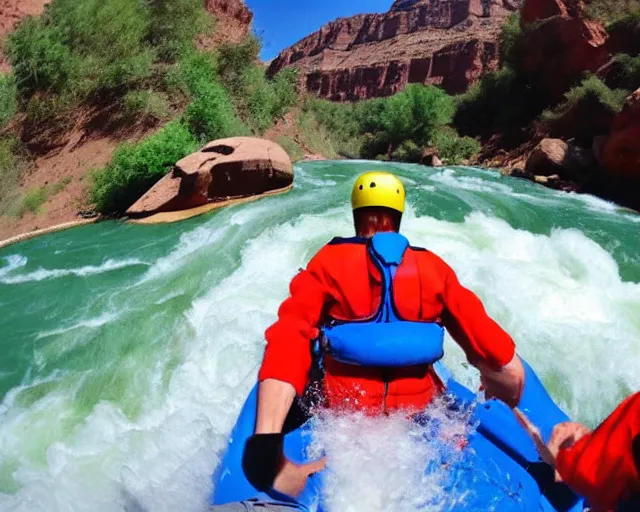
{"x":341,"y":282}
{"x":604,"y":466}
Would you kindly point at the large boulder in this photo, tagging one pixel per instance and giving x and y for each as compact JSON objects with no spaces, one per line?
{"x":222,"y":171}
{"x":560,"y":43}
{"x":554,"y":156}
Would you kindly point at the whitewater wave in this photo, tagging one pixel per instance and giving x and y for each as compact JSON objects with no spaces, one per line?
{"x":14,"y":262}
{"x":41,"y":274}
{"x":90,"y":323}
{"x":378,"y":463}
{"x":189,"y":245}
{"x":450,"y":178}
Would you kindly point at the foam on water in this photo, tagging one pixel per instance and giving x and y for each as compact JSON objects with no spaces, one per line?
{"x":41,"y":274}
{"x":90,"y":323}
{"x":560,"y":295}
{"x":13,"y":262}
{"x":376,"y":463}
{"x":450,"y":178}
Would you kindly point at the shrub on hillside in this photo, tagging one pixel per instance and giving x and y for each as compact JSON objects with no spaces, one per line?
{"x":8,"y":102}
{"x":590,"y":88}
{"x":108,"y":39}
{"x":149,"y":106}
{"x":501,"y":102}
{"x":134,"y":168}
{"x":453,"y":149}
{"x":211,"y":115}
{"x":612,"y":11}
{"x":285,"y":86}
{"x":414,"y":114}
{"x":259,"y":102}
{"x":90,"y":49}
{"x":408,"y":151}
{"x":339,"y":119}
{"x":511,"y":41}
{"x":174,"y":24}
{"x":291,"y":147}
{"x":39,"y":56}
{"x":629,"y":75}
{"x":234,"y":61}
{"x":12,"y":164}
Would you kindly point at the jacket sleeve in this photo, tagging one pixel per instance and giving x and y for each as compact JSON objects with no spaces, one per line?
{"x":601,"y":465}
{"x":287,"y":356}
{"x":464,"y":316}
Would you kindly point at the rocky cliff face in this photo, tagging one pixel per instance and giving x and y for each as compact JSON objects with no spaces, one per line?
{"x":450,"y":43}
{"x":233,"y":21}
{"x":11,"y":13}
{"x":563,"y":44}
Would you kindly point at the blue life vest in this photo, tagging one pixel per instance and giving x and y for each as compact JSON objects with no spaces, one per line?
{"x":386,"y":340}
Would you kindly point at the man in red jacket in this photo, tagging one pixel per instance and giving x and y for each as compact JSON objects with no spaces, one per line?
{"x":603,"y":465}
{"x":343,"y":284}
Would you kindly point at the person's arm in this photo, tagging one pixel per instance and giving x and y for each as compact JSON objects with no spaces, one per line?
{"x":287,"y":356}
{"x":603,"y":465}
{"x":275,"y":398}
{"x":283,"y":374}
{"x":487,"y":346}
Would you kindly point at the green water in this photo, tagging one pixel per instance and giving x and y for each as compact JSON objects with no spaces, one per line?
{"x":126,"y":351}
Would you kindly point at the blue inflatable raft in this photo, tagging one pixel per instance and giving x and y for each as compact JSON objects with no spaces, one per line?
{"x":498,"y":470}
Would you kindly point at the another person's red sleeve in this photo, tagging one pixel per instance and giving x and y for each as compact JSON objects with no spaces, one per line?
{"x":287,"y":356}
{"x":464,"y":316}
{"x":601,"y":465}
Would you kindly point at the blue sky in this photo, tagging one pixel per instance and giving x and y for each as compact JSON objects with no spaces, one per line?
{"x":280,"y":23}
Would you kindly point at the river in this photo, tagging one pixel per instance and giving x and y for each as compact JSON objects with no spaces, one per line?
{"x":126,"y":351}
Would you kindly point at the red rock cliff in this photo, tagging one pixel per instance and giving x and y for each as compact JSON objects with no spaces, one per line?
{"x":444,"y":42}
{"x":233,"y":21}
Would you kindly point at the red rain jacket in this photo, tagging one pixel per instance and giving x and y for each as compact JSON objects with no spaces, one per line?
{"x":604,"y":466}
{"x":342,"y":282}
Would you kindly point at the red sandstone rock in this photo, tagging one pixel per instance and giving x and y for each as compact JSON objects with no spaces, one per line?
{"x":444,"y":42}
{"x":621,"y":151}
{"x":233,"y":21}
{"x":563,"y":46}
{"x":224,"y":169}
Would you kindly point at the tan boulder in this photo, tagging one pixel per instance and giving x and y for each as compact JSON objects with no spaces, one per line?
{"x":221,"y":172}
{"x":554,"y":156}
{"x":549,"y":155}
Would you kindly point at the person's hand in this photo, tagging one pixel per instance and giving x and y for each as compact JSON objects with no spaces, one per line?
{"x":504,"y":384}
{"x":266,"y":467}
{"x":564,"y":435}
{"x":292,"y":478}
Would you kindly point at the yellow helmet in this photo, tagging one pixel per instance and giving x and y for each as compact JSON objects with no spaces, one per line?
{"x":378,"y":188}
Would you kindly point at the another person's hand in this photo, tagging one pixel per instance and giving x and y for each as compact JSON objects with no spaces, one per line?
{"x":564,"y":435}
{"x":292,"y":478}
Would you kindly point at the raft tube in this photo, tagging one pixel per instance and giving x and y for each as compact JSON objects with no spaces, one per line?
{"x":499,"y":468}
